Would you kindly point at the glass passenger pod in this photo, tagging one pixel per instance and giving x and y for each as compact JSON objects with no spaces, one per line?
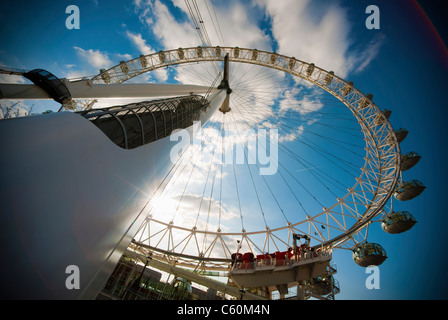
{"x":105,"y":75}
{"x":381,"y":119}
{"x":255,"y":54}
{"x":369,"y":254}
{"x":48,"y":82}
{"x":398,"y":222}
{"x":329,"y":78}
{"x":409,"y":160}
{"x":387,"y":113}
{"x":199,"y":51}
{"x":322,"y":285}
{"x":364,"y":103}
{"x":292,"y":63}
{"x":401,"y":134}
{"x":347,"y":88}
{"x":180,"y":53}
{"x":143,"y":61}
{"x":409,"y":190}
{"x":310,"y":69}
{"x":124,"y":67}
{"x":236,"y":52}
{"x":162,"y":57}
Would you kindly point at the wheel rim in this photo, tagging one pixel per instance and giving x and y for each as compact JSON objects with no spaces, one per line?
{"x":373,"y":188}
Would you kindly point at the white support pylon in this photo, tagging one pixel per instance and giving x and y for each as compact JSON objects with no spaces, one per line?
{"x":71,"y":197}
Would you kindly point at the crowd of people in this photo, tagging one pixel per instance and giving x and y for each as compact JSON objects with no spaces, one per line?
{"x":278,"y":258}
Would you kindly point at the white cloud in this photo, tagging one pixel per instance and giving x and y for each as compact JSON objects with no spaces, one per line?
{"x":291,"y":136}
{"x":235,"y":26}
{"x":289,"y":101}
{"x":124,"y":57}
{"x":11,"y":78}
{"x":359,"y":61}
{"x":240,"y":28}
{"x":316,"y":34}
{"x":74,"y":74}
{"x":137,"y":40}
{"x":140,"y":43}
{"x":137,"y":3}
{"x":294,"y":99}
{"x":321,"y":34}
{"x":189,"y":209}
{"x":98,"y":59}
{"x":171,"y":33}
{"x":95,"y":58}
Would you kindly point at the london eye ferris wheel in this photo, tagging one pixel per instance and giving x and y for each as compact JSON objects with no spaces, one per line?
{"x":338,"y":164}
{"x":284,"y":163}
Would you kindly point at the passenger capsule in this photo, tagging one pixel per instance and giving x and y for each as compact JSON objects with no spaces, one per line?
{"x":409,"y":160}
{"x":236,"y":52}
{"x":401,"y":134}
{"x":398,"y":222}
{"x":162,"y":56}
{"x":369,"y":254}
{"x":105,"y":75}
{"x":143,"y":61}
{"x":387,"y":113}
{"x":381,"y":118}
{"x":409,"y":190}
{"x":329,"y":78}
{"x":347,"y":88}
{"x":310,"y":70}
{"x":322,"y":285}
{"x":364,"y":103}
{"x":199,"y":51}
{"x":255,"y":54}
{"x":292,"y":63}
{"x":124,"y":67}
{"x":180,"y":53}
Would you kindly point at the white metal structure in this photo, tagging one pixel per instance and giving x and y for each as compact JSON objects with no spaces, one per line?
{"x":132,"y":214}
{"x":343,"y":221}
{"x":186,"y":274}
{"x":71,"y":198}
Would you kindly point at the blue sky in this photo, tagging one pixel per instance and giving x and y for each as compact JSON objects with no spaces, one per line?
{"x":403,"y":64}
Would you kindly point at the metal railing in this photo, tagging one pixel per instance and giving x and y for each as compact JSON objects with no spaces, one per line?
{"x":271,"y":262}
{"x":137,"y":124}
